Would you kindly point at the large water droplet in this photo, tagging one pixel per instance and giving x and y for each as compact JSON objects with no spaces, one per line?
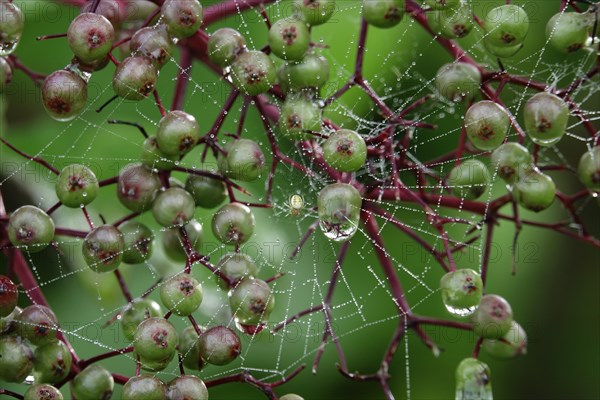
{"x":338,"y":232}
{"x":460,"y":312}
{"x":7,"y":47}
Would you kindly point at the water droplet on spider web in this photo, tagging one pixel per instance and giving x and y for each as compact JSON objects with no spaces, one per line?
{"x":29,"y":380}
{"x":338,"y":232}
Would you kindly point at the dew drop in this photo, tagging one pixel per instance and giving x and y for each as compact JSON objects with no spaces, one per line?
{"x":460,"y":312}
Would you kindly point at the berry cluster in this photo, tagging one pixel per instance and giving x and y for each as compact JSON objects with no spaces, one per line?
{"x":291,"y":98}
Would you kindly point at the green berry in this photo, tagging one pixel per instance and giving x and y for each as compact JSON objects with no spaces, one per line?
{"x":182,"y":17}
{"x":461,"y":291}
{"x":93,"y":383}
{"x":90,"y":37}
{"x":452,"y":23}
{"x":253,"y":72}
{"x":138,"y":240}
{"x":299,"y":116}
{"x":173,"y":206}
{"x":535,"y":191}
{"x":311,"y":72}
{"x":137,"y":311}
{"x":289,"y":39}
{"x":219,"y":345}
{"x":236,"y":266}
{"x":187,"y":387}
{"x":487,"y":124}
{"x":31,"y":228}
{"x":458,"y":81}
{"x":16,"y":361}
{"x":338,"y":206}
{"x":502,"y":51}
{"x":188,"y":347}
{"x":589,"y":169}
{"x":469,"y":180}
{"x":76,"y":185}
{"x":177,"y":133}
{"x":153,"y":157}
{"x":135,"y":78}
{"x":511,"y":160}
{"x":291,"y":396}
{"x":8,"y":323}
{"x":314,"y":12}
{"x":52,"y":362}
{"x":12,"y":23}
{"x":64,"y":95}
{"x":155,"y":339}
{"x":144,"y":387}
{"x":345,"y":150}
{"x":103,"y":248}
{"x":224,"y":45}
{"x":512,"y":344}
{"x":493,"y":318}
{"x":546,"y":117}
{"x":383,"y":13}
{"x":156,"y":365}
{"x":9,"y":295}
{"x":251,"y":301}
{"x":173,"y":242}
{"x":506,"y":25}
{"x":569,"y":31}
{"x":233,"y":223}
{"x":207,"y":192}
{"x":137,"y":187}
{"x":473,"y":380}
{"x":153,"y":42}
{"x":37,"y":324}
{"x":6,"y":74}
{"x":443,"y":4}
{"x":244,"y":161}
{"x":181,"y":294}
{"x":42,"y":392}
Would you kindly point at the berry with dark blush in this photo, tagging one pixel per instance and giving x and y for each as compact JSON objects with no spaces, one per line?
{"x":189,"y":349}
{"x":64,"y":95}
{"x":506,"y":25}
{"x":233,"y":224}
{"x":473,"y":380}
{"x":177,"y":133}
{"x":589,"y":169}
{"x":546,"y":117}
{"x":338,"y":207}
{"x":535,"y":191}
{"x":135,"y":78}
{"x":30,"y":228}
{"x":299,"y":116}
{"x":187,"y":387}
{"x":113,"y":10}
{"x":458,"y":81}
{"x":173,"y":207}
{"x":12,"y":23}
{"x":155,"y":339}
{"x":219,"y":345}
{"x":137,"y":311}
{"x":92,"y":383}
{"x":9,"y":295}
{"x":103,"y":248}
{"x":52,"y":362}
{"x":153,"y":42}
{"x":235,"y":266}
{"x":568,"y":32}
{"x":138,"y":242}
{"x":224,"y":45}
{"x":16,"y":361}
{"x":510,"y":161}
{"x":137,"y":187}
{"x":493,"y":317}
{"x":487,"y":124}
{"x":38,"y":324}
{"x":144,"y":387}
{"x":42,"y":391}
{"x":345,"y":150}
{"x":90,"y":37}
{"x":253,"y":72}
{"x":154,"y":158}
{"x":181,"y":294}
{"x":315,"y":12}
{"x":251,"y":301}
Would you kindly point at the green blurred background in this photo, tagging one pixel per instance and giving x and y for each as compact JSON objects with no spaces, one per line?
{"x":554,"y":295}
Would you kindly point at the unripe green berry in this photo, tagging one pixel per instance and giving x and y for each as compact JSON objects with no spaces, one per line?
{"x":289,"y":38}
{"x":345,"y":150}
{"x":137,"y":187}
{"x":224,"y":45}
{"x":219,"y":345}
{"x":451,"y":23}
{"x":153,"y":42}
{"x":137,"y":311}
{"x":589,"y":169}
{"x":177,"y":133}
{"x":512,"y":344}
{"x":103,"y":248}
{"x":64,"y":95}
{"x":144,"y":387}
{"x":30,"y":228}
{"x":443,"y":4}
{"x":511,"y":160}
{"x":546,"y":117}
{"x":189,"y":349}
{"x":156,"y":365}
{"x":299,"y":116}
{"x":135,"y":78}
{"x":233,"y":224}
{"x":42,"y":392}
{"x":244,"y":160}
{"x":473,"y":380}
{"x":253,"y":72}
{"x":37,"y":324}
{"x":173,"y":243}
{"x":487,"y":124}
{"x":17,"y":359}
{"x":182,"y":17}
{"x":535,"y":191}
{"x":187,"y":387}
{"x":461,"y":291}
{"x":9,"y":323}
{"x":173,"y":206}
{"x":52,"y":362}
{"x":12,"y":23}
{"x":568,"y":31}
{"x":90,"y":37}
{"x":93,"y":383}
{"x":291,"y":396}
{"x":493,"y":318}
{"x":76,"y":185}
{"x":6,"y":74}
{"x":207,"y":192}
{"x":155,"y":339}
{"x":153,"y":157}
{"x":236,"y":266}
{"x":506,"y":25}
{"x":339,"y":206}
{"x":251,"y":301}
{"x":458,"y":81}
{"x":314,"y":12}
{"x":9,"y":295}
{"x":311,"y":72}
{"x":139,"y":240}
{"x":181,"y":294}
{"x":383,"y":13}
{"x":469,"y":180}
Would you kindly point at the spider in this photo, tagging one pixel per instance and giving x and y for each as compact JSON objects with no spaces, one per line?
{"x":295,"y":204}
